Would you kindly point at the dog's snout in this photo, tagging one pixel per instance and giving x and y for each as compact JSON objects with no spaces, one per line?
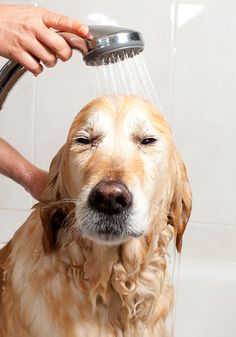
{"x":110,"y":197}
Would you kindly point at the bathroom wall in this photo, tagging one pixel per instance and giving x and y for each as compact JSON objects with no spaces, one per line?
{"x":190,"y":52}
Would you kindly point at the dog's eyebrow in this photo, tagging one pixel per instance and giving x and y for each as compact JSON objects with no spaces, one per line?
{"x":84,"y":129}
{"x":96,"y":122}
{"x":89,"y":130}
{"x":142,"y":126}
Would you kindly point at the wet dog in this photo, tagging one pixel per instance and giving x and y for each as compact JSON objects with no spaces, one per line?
{"x":91,"y":260}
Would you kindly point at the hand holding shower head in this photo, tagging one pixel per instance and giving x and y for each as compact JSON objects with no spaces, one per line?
{"x":109,"y":45}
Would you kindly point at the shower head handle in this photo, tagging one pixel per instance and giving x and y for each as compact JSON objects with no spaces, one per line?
{"x":108,"y":45}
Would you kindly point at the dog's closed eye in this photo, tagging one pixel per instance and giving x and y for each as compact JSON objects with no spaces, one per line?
{"x":92,"y":140}
{"x":144,"y":140}
{"x":148,"y":140}
{"x":83,"y":140}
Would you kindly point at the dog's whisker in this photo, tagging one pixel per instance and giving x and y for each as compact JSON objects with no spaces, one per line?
{"x":67,"y":230}
{"x":59,"y":202}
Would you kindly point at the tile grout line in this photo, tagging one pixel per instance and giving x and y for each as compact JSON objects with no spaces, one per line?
{"x":173,"y":18}
{"x":34,"y":124}
{"x":35,"y":81}
{"x":201,"y":223}
{"x":15,"y":209}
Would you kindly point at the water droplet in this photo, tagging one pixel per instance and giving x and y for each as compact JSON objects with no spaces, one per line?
{"x":36,"y":252}
{"x":4,"y":274}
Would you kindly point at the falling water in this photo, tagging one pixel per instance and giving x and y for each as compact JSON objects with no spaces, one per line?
{"x":125,"y":75}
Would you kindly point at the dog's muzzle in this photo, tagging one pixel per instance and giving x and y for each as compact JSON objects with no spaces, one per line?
{"x":108,"y":213}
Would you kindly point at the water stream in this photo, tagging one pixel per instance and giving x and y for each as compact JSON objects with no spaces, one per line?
{"x":125,"y":76}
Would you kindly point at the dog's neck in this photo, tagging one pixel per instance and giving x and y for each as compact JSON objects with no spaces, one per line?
{"x":122,"y":287}
{"x":130,"y":280}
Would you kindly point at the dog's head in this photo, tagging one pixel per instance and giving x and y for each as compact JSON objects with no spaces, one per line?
{"x":118,"y":174}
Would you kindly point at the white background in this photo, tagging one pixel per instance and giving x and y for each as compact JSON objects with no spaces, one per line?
{"x":191,"y":55}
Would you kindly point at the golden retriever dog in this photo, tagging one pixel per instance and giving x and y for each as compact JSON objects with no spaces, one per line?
{"x":90,"y":261}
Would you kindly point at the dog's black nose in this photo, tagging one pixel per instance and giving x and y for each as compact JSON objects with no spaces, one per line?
{"x":110,"y":197}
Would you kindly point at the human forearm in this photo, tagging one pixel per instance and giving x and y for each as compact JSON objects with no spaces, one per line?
{"x":15,"y":166}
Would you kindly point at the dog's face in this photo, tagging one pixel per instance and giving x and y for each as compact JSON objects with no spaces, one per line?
{"x":121,"y":169}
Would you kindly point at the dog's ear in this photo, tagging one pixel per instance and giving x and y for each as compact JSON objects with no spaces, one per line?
{"x":53,"y":212}
{"x":181,"y":200}
{"x":52,"y":191}
{"x":53,"y":219}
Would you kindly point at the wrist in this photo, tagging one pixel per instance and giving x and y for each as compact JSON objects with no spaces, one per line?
{"x":34,"y":181}
{"x":25,"y":175}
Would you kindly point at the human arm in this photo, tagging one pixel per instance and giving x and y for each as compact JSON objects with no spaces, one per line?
{"x":13,"y":165}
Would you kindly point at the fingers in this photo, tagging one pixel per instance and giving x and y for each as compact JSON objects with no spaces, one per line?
{"x":55,"y":42}
{"x":42,"y":52}
{"x":28,"y":36}
{"x":64,"y":23}
{"x":30,"y":63}
{"x":46,"y":47}
{"x":75,"y":42}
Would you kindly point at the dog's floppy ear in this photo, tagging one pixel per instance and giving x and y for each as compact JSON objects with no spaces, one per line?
{"x":181,"y":200}
{"x":53,"y":219}
{"x":53,"y":211}
{"x":52,"y":190}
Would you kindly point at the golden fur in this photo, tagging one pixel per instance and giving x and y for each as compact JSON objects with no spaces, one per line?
{"x":56,"y":282}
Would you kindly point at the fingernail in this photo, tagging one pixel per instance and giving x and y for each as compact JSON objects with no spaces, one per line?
{"x":84,"y":29}
{"x":40,"y":71}
{"x":89,"y":36}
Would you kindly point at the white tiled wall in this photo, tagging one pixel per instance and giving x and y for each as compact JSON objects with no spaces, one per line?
{"x":191,"y":54}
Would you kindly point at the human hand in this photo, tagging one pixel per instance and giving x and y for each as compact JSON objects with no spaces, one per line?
{"x":26,"y":36}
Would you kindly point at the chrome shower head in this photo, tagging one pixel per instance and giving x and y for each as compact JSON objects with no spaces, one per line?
{"x":111,"y":44}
